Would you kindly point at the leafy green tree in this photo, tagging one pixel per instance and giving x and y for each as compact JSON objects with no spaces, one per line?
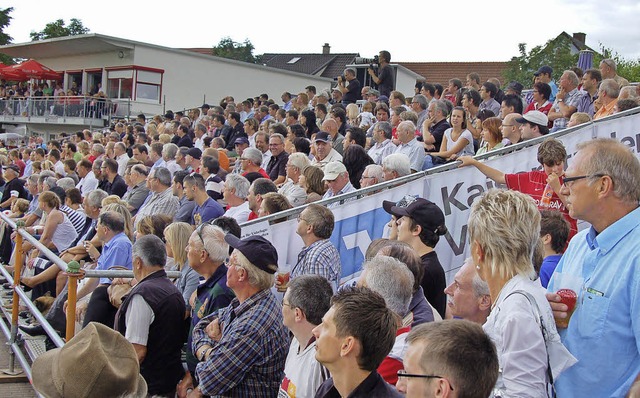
{"x":5,"y":19}
{"x":627,"y":68}
{"x":227,"y":48}
{"x":58,"y":29}
{"x":555,"y":53}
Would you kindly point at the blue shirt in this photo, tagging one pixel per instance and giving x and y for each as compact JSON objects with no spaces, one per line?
{"x":548,"y":266}
{"x":115,"y":252}
{"x":554,"y":91}
{"x":604,"y":330}
{"x":209,"y":210}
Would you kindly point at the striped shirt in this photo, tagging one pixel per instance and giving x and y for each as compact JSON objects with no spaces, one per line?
{"x":249,"y":359}
{"x":77,"y":218}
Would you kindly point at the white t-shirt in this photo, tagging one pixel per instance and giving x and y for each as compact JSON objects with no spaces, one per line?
{"x":303,"y":374}
{"x":239,"y":213}
{"x":468,"y":149}
{"x":139,"y":317}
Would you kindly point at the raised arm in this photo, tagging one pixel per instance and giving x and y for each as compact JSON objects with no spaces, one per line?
{"x":494,"y":174}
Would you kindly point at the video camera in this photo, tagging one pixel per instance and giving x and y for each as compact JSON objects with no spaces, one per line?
{"x":373,"y":62}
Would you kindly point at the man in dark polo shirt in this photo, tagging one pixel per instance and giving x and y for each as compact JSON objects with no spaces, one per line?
{"x":152,"y":318}
{"x":117,"y":185}
{"x":355,"y":335}
{"x":349,"y":87}
{"x":11,"y":174}
{"x":277,"y":167}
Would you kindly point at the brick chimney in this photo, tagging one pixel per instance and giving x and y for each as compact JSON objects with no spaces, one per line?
{"x":581,"y":37}
{"x":326,"y":49}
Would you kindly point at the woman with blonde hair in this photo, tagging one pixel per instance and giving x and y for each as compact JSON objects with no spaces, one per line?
{"x":352,"y":114}
{"x":176,"y":237}
{"x":504,"y":229}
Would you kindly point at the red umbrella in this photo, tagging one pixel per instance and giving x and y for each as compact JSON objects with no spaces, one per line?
{"x":33,"y":69}
{"x":8,"y":74}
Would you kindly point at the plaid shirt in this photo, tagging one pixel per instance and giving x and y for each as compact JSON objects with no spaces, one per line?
{"x":249,"y":359}
{"x":158,"y":203}
{"x":573,"y":98}
{"x":320,"y":258}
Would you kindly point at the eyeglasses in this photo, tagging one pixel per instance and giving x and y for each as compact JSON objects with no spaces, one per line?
{"x":403,"y":373}
{"x":567,"y":180}
{"x":300,"y":218}
{"x":200,"y":228}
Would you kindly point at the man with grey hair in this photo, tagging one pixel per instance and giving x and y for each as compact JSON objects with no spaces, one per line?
{"x":151,"y":318}
{"x":395,"y":166}
{"x":161,"y":200}
{"x":296,"y":165}
{"x":419,"y":104}
{"x":235,"y":193}
{"x":207,"y":252}
{"x":373,"y":174}
{"x":242,"y":348}
{"x":382,"y":144}
{"x":305,"y":302}
{"x":349,"y":86}
{"x":169,"y":152}
{"x":409,"y":145}
{"x":608,"y":69}
{"x":607,"y":98}
{"x":98,"y":151}
{"x":138,"y":192}
{"x":567,"y":101}
{"x":200,"y":131}
{"x":602,"y":187}
{"x":468,"y":296}
{"x":250,"y":162}
{"x":120,"y":151}
{"x":393,"y":280}
{"x":88,"y":181}
{"x":436,"y":123}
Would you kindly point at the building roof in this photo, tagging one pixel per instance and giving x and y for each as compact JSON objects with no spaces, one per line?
{"x":441,"y":72}
{"x":325,"y":65}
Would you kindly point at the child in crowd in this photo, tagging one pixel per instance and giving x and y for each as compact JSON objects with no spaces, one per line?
{"x":554,"y":234}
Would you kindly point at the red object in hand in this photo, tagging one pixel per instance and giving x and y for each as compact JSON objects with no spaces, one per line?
{"x":568,"y":297}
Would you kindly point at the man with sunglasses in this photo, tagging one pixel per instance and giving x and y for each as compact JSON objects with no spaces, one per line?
{"x":452,"y":358}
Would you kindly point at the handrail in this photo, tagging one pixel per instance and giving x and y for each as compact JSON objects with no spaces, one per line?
{"x":18,"y":293}
{"x":292,"y":213}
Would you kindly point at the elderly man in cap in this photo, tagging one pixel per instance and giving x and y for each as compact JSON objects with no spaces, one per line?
{"x":420,"y":224}
{"x":243,"y":347}
{"x":240,"y":144}
{"x":192,"y":160}
{"x":324,"y":151}
{"x":14,"y":187}
{"x":533,"y":125}
{"x":337,"y":179}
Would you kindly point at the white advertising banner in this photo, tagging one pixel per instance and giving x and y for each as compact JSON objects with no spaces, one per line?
{"x":359,"y":222}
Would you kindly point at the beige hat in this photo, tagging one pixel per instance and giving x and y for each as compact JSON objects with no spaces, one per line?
{"x":97,"y":362}
{"x":332,"y":170}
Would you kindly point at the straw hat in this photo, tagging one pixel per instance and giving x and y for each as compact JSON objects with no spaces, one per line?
{"x":97,"y":362}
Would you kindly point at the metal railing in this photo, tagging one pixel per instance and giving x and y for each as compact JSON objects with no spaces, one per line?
{"x":292,"y":213}
{"x":61,"y":106}
{"x":73,"y":273}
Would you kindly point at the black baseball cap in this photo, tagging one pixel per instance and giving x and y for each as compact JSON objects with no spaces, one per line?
{"x":259,"y":251}
{"x":424,"y":212}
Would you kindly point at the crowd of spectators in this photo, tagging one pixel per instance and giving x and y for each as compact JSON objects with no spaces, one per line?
{"x":170,"y":194}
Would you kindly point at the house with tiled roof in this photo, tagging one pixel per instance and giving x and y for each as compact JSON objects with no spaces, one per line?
{"x":442,"y":72}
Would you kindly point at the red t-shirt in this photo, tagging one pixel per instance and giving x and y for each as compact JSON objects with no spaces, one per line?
{"x":533,"y":183}
{"x":392,"y":363}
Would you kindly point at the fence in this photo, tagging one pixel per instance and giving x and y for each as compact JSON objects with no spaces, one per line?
{"x":73,"y":273}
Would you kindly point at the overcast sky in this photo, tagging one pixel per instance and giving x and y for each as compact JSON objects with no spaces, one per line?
{"x":412,"y":30}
